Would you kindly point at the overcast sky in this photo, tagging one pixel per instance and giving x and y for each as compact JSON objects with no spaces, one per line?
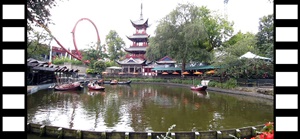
{"x":116,"y":15}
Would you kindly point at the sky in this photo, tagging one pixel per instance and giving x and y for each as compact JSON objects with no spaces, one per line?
{"x":116,"y":15}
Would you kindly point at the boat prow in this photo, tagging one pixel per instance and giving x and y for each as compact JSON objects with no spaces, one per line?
{"x":199,"y":88}
{"x":92,"y":86}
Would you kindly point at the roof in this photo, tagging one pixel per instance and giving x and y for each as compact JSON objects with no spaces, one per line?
{"x":165,"y":60}
{"x":253,"y":56}
{"x":136,"y":48}
{"x":202,"y":67}
{"x":166,"y":68}
{"x":132,"y":61}
{"x":187,"y":68}
{"x":140,"y":22}
{"x":42,"y":65}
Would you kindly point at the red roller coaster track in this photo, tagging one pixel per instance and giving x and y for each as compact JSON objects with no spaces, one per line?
{"x":78,"y":56}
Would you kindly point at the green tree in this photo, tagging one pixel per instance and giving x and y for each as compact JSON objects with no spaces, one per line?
{"x":99,"y":66}
{"x":265,"y":39}
{"x":217,"y":29}
{"x":234,"y":39}
{"x":91,"y":55}
{"x":39,"y":11}
{"x":233,"y":66}
{"x":188,"y":34}
{"x":36,"y":46}
{"x":115,"y":44}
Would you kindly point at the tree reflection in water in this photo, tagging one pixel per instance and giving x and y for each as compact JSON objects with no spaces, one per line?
{"x":144,"y":107}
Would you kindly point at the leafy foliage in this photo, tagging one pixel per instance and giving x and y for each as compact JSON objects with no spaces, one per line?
{"x":60,"y":61}
{"x":189,"y":33}
{"x":92,"y":55}
{"x":234,"y":67}
{"x":111,"y":63}
{"x":99,"y":66}
{"x":39,"y":10}
{"x":265,"y":39}
{"x":36,"y":47}
{"x":37,"y":50}
{"x":115,"y":44}
{"x":230,"y":84}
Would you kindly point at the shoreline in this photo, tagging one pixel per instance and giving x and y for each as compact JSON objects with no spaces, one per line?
{"x":237,"y":91}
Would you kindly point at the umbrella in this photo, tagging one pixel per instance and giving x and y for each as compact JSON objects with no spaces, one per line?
{"x":165,"y":73}
{"x":198,"y":73}
{"x":185,"y":73}
{"x":211,"y":72}
{"x":175,"y":72}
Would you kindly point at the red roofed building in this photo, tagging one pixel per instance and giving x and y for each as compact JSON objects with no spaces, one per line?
{"x":135,"y":61}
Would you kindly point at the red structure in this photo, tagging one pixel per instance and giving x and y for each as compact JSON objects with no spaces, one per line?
{"x":60,"y":52}
{"x":75,"y":54}
{"x":135,"y":61}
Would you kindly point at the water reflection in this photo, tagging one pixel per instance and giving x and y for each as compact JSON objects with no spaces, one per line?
{"x":146,"y":108}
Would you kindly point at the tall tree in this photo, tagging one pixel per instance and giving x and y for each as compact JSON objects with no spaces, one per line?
{"x":188,"y":34}
{"x":115,"y":44}
{"x":39,"y":11}
{"x":265,"y":39}
{"x":218,"y":29}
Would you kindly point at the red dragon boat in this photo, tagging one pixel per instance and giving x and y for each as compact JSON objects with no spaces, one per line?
{"x":95,"y":86}
{"x":68,"y":86}
{"x":201,"y":87}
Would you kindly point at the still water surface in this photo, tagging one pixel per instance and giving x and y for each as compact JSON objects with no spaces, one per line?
{"x":144,"y":107}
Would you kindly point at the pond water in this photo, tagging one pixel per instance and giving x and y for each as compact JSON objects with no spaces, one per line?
{"x":146,"y":107}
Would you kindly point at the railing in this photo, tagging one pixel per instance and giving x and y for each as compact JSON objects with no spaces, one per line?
{"x":135,"y":56}
{"x":59,"y":132}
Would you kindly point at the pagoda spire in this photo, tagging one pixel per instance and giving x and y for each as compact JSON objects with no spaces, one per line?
{"x":141,"y":15}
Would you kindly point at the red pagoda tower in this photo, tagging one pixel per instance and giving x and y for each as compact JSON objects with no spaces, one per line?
{"x":135,"y":61}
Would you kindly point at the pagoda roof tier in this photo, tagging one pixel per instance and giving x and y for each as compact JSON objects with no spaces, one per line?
{"x":140,"y":23}
{"x":139,"y":38}
{"x":132,"y":61}
{"x":166,"y":60}
{"x":136,"y":49}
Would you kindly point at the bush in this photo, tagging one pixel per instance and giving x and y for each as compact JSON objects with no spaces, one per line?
{"x":231,"y":83}
{"x":61,"y":61}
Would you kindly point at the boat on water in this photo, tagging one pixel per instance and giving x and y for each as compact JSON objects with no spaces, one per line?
{"x":95,"y":86}
{"x":68,"y":86}
{"x":113,"y":82}
{"x":127,"y":82}
{"x":201,"y":87}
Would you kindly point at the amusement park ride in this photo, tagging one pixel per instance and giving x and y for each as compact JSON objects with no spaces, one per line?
{"x":78,"y":55}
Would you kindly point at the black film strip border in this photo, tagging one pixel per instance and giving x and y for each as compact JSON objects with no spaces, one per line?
{"x":286,"y":86}
{"x":13,"y":68}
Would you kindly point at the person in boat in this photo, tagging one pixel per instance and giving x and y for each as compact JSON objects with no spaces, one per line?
{"x":199,"y":85}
